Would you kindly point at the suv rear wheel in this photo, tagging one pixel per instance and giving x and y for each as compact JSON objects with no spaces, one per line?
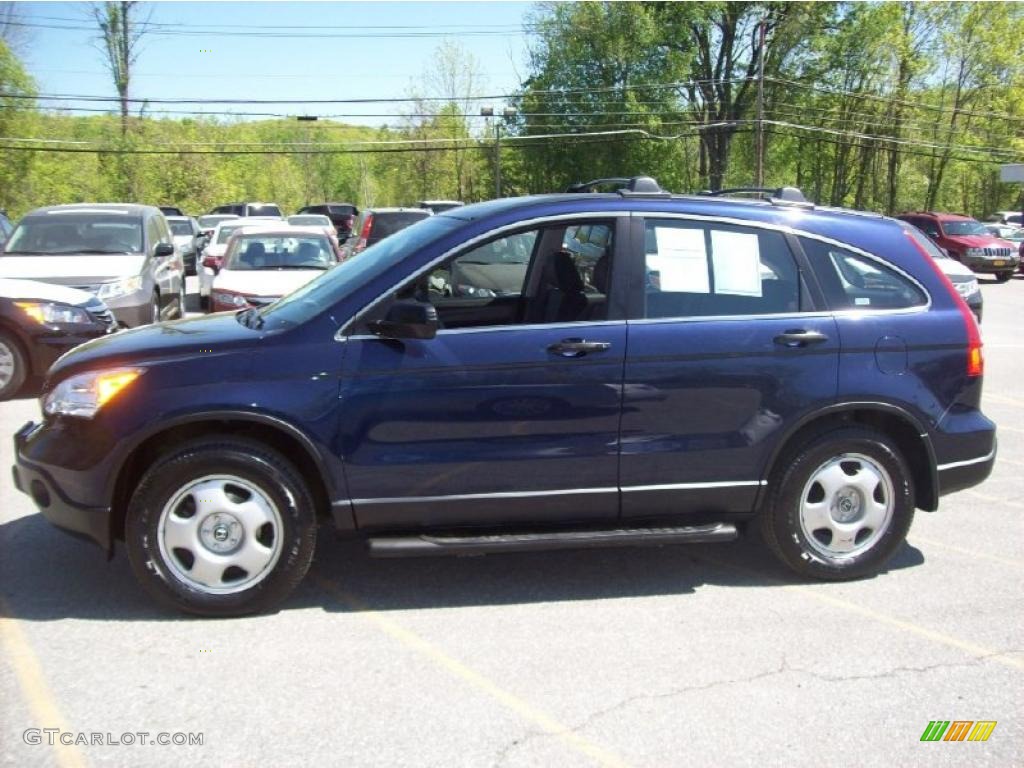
{"x":840,"y":506}
{"x":221,"y":527}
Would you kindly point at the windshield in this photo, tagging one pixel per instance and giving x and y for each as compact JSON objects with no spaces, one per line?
{"x":224,"y":233}
{"x":181,"y":227}
{"x":253,"y":252}
{"x":213,"y":220}
{"x":264,"y":210}
{"x":64,"y":233}
{"x":387,"y":223}
{"x":328,"y":289}
{"x":958,"y":228}
{"x":309,"y":221}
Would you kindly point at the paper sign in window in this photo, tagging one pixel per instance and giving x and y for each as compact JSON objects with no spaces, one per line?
{"x":736,"y":259}
{"x":681,"y":260}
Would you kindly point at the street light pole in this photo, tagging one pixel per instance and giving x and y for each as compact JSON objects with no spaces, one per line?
{"x":508,"y":113}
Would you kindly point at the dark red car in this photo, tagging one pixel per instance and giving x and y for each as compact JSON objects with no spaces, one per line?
{"x":966,"y":240}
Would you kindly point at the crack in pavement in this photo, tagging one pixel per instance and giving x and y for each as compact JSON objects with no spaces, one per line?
{"x":783,"y":668}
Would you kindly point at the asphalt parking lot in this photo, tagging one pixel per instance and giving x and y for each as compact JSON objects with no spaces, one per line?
{"x":702,"y":655}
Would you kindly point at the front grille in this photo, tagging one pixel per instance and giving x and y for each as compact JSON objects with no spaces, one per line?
{"x":998,"y":251}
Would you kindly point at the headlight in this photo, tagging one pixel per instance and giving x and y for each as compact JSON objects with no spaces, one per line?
{"x":968,"y":287}
{"x":83,"y":395}
{"x":46,"y":313}
{"x":975,"y":251}
{"x":230,"y":299}
{"x":120,"y":287}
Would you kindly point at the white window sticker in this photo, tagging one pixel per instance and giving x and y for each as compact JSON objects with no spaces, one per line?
{"x":736,"y":257}
{"x":681,"y":260}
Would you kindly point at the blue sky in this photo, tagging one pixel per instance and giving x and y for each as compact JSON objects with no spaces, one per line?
{"x":337,"y":66}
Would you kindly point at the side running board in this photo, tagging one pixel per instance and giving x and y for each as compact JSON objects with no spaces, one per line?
{"x":461,"y":544}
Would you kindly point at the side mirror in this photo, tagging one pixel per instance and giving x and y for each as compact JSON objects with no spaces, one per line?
{"x":163,"y":250}
{"x":407,"y":320}
{"x":212,"y":262}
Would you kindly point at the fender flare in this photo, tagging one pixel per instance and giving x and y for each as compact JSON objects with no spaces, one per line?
{"x":881,"y":406}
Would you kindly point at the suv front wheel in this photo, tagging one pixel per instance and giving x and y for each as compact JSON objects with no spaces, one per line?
{"x":221,"y":527}
{"x":840,"y":506}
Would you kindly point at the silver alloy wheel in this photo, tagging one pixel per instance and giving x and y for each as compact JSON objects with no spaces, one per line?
{"x":7,"y":364}
{"x":220,"y":534}
{"x":846,"y":505}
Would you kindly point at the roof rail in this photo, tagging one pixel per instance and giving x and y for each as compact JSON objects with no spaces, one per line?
{"x":636,"y":186}
{"x":775,"y":195}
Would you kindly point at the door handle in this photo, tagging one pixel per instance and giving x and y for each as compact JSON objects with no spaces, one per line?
{"x":577,"y":347}
{"x":800,"y":338}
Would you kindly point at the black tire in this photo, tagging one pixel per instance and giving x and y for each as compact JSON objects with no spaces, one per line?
{"x":11,"y":349}
{"x":1004,"y":277}
{"x":204,"y":303}
{"x":780,"y":517}
{"x":252,"y":462}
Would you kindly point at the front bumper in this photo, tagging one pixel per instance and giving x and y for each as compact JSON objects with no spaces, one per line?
{"x":986,"y":265}
{"x":49,"y":491}
{"x":45,"y":348}
{"x":133,"y":309}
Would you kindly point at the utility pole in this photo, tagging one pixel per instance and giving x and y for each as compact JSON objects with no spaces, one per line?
{"x":759,"y":162}
{"x":497,"y":159}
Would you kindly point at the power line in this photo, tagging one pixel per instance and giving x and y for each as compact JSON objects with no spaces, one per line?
{"x":890,"y":100}
{"x":347,"y":33}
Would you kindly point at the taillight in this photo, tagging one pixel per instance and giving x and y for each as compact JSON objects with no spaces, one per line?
{"x":364,"y":236}
{"x":975,"y":357}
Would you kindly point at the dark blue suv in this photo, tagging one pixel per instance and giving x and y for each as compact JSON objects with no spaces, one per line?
{"x":482,"y":382}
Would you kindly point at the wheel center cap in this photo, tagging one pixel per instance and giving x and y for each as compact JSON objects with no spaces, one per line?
{"x":848,"y":504}
{"x":221,"y":533}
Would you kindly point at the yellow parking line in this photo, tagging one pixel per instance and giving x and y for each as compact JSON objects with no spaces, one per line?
{"x":485,"y":685}
{"x":37,"y":693}
{"x":972,"y":649}
{"x":969,"y":552}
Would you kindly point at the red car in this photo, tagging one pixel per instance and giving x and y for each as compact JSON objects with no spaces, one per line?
{"x":966,"y":240}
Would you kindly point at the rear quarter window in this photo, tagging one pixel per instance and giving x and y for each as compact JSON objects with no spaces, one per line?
{"x":854,"y":281}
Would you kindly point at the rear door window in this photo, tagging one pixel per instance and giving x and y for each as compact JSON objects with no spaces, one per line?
{"x":854,"y":281}
{"x":693,"y":269}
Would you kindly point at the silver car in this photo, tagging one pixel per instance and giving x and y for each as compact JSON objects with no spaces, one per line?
{"x":123,"y":254}
{"x":187,"y":238}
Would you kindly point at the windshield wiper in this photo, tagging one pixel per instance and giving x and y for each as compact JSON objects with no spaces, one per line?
{"x":93,"y":251}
